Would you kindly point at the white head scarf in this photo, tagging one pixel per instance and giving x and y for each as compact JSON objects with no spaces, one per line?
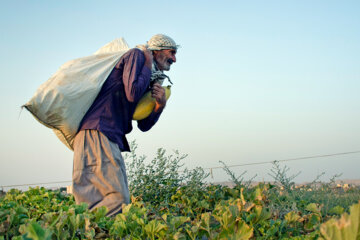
{"x":161,"y":42}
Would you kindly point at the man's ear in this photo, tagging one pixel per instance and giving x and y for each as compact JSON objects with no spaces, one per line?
{"x":155,"y":52}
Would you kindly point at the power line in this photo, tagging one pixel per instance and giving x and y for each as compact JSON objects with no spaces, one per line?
{"x":211,"y":168}
{"x":289,"y":159}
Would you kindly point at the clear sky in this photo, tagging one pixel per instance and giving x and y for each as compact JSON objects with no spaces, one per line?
{"x":254,"y":81}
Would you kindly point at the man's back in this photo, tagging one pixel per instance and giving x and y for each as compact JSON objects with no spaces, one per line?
{"x":112,"y":111}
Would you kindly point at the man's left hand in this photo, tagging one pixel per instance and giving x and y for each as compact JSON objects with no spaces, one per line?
{"x":158,"y":92}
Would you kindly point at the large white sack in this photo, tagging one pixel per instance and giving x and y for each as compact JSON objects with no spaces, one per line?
{"x":63,"y":100}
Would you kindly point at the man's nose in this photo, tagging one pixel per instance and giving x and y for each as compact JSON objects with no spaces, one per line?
{"x":173,"y":58}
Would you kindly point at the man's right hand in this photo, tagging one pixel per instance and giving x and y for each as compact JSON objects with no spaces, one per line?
{"x":148,"y":58}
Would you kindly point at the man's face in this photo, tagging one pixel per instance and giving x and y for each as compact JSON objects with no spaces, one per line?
{"x":164,"y":58}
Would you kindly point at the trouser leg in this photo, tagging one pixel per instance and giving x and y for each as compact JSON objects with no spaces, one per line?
{"x":99,"y":173}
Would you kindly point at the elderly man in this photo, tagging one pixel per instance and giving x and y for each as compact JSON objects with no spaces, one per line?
{"x":99,"y":174}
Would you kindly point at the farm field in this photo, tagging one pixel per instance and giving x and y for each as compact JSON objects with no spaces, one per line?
{"x":171,"y":204}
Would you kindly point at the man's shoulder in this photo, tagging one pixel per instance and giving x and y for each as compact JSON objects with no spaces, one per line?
{"x":135,"y":51}
{"x":133,"y":54}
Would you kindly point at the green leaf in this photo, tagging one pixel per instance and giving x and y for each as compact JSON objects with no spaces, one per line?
{"x":292,"y":217}
{"x":154,"y":228}
{"x":313,"y":207}
{"x":81,"y":208}
{"x":337,"y":210}
{"x":192,"y":231}
{"x":140,"y":221}
{"x":179,"y":236}
{"x":345,"y":228}
{"x":313,"y":221}
{"x":164,"y":216}
{"x":17,"y":238}
{"x":100,"y":213}
{"x":178,"y":221}
{"x":118,"y":229}
{"x":36,"y":232}
{"x":257,"y":195}
{"x":205,"y":223}
{"x":243,"y":231}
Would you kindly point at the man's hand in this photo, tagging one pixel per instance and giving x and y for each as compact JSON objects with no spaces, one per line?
{"x":158,"y":92}
{"x":148,"y":58}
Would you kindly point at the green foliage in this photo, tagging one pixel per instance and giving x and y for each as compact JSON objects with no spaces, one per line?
{"x":158,"y":180}
{"x":280,"y":176}
{"x":237,"y":180}
{"x":168,"y":203}
{"x":216,"y":212}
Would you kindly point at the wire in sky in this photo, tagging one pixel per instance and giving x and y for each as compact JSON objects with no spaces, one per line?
{"x":211,"y":168}
{"x":289,"y":159}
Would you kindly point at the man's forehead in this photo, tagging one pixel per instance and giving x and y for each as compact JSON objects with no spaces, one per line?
{"x":170,"y":50}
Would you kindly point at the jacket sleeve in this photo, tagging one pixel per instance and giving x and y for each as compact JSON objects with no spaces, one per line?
{"x":136,"y":76}
{"x":147,"y":123}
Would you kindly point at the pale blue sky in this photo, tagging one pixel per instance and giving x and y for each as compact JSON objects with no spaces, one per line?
{"x":254,"y":81}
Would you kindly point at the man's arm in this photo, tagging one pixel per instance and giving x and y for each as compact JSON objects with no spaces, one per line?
{"x":136,"y":74}
{"x":158,"y":93}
